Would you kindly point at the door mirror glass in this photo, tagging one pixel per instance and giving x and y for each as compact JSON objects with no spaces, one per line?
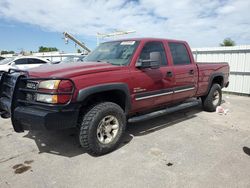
{"x":153,"y":62}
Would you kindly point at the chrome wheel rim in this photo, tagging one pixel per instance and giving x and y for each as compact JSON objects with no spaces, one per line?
{"x":216,"y":98}
{"x":107,"y":129}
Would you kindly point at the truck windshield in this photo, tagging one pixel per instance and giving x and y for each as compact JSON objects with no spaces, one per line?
{"x":115,"y":53}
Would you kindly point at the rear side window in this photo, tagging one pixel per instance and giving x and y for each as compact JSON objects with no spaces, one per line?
{"x":179,"y":54}
{"x":35,"y":61}
{"x":153,"y":47}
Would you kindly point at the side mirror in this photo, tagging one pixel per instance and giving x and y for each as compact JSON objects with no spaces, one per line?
{"x":153,"y":62}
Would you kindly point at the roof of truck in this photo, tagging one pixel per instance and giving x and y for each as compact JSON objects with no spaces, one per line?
{"x":149,"y":39}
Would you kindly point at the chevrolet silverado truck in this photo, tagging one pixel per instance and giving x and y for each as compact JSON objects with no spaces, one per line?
{"x":119,"y":81}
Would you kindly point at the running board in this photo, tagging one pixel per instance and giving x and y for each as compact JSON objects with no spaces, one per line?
{"x":163,"y":112}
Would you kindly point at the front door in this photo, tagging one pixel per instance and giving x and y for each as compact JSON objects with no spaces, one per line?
{"x":152,"y":87}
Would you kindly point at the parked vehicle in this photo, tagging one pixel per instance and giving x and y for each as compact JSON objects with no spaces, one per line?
{"x":120,"y":81}
{"x":71,"y":59}
{"x":22,"y":63}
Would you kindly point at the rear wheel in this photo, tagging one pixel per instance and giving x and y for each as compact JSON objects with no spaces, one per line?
{"x":102,"y":128}
{"x":213,"y":99}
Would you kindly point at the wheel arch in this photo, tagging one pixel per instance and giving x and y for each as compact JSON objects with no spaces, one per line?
{"x":215,"y":78}
{"x":113,"y":92}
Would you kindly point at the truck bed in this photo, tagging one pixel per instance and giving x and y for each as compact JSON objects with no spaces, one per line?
{"x":205,"y":69}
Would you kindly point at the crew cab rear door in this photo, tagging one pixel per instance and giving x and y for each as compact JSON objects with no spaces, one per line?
{"x":185,"y":71}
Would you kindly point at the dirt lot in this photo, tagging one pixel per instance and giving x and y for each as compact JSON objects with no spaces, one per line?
{"x":190,"y":148}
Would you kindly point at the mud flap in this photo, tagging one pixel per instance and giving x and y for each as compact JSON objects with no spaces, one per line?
{"x":17,"y":126}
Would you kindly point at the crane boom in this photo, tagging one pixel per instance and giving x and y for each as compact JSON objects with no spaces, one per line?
{"x":67,"y":35}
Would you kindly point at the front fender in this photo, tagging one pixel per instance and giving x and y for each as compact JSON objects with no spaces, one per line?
{"x":86,"y":92}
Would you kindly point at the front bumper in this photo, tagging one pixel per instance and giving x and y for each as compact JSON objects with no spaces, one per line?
{"x":26,"y":113}
{"x":30,"y":118}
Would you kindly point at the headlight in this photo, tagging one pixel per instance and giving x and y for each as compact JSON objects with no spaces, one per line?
{"x":46,"y":98}
{"x":49,"y":84}
{"x":54,"y":91}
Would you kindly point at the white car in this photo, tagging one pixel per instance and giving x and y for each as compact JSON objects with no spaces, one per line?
{"x":22,"y":63}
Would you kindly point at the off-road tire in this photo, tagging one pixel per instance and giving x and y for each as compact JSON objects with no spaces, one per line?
{"x":207,"y":101}
{"x":89,"y":124}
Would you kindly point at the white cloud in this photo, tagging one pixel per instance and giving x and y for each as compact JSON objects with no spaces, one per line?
{"x":201,"y":22}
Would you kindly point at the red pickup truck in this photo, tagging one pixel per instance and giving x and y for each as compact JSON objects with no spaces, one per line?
{"x":119,"y":81}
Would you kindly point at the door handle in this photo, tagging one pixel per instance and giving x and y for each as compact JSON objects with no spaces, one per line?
{"x":169,"y":74}
{"x":191,"y":71}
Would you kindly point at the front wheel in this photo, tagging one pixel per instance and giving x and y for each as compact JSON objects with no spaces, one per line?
{"x":102,"y":128}
{"x":213,"y":99}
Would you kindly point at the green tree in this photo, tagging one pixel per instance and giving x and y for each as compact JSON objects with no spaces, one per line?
{"x":47,"y":49}
{"x":7,"y":52}
{"x":79,"y":51}
{"x":227,"y":42}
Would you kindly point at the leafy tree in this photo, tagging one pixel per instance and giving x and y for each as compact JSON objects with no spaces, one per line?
{"x":7,"y":52}
{"x":79,"y":51}
{"x":227,"y":42}
{"x":47,"y":49}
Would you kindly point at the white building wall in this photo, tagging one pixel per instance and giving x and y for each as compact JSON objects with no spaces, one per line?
{"x":238,"y":58}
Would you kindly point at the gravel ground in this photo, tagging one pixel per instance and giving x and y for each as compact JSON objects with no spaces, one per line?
{"x":189,"y":148}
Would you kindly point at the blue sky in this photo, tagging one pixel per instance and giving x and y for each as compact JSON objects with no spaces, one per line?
{"x":29,"y":24}
{"x":19,"y":36}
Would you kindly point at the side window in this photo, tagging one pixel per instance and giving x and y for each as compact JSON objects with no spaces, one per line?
{"x":153,"y":47}
{"x":21,"y":61}
{"x":40,"y":61}
{"x":179,"y":54}
{"x":35,"y":61}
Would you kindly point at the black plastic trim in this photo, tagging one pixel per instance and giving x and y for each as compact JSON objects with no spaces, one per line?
{"x":84,"y":93}
{"x":150,"y":93}
{"x":162,"y":91}
{"x":31,"y":118}
{"x":212,"y":76}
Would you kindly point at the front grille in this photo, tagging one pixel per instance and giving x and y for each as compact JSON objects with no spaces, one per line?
{"x":28,"y":91}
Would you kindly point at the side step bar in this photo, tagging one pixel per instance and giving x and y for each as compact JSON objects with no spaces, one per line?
{"x":163,"y":112}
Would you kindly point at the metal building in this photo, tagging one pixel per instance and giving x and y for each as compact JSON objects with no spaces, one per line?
{"x":238,"y":58}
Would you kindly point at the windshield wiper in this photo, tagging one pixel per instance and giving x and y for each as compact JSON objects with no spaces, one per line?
{"x":103,"y":61}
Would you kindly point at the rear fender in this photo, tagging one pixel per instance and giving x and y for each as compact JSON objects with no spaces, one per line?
{"x":210,"y":82}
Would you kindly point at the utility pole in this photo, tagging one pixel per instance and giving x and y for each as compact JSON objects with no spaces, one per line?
{"x":68,"y":36}
{"x":114,"y":34}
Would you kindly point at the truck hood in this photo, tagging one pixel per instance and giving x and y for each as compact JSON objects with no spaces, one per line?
{"x":69,"y":70}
